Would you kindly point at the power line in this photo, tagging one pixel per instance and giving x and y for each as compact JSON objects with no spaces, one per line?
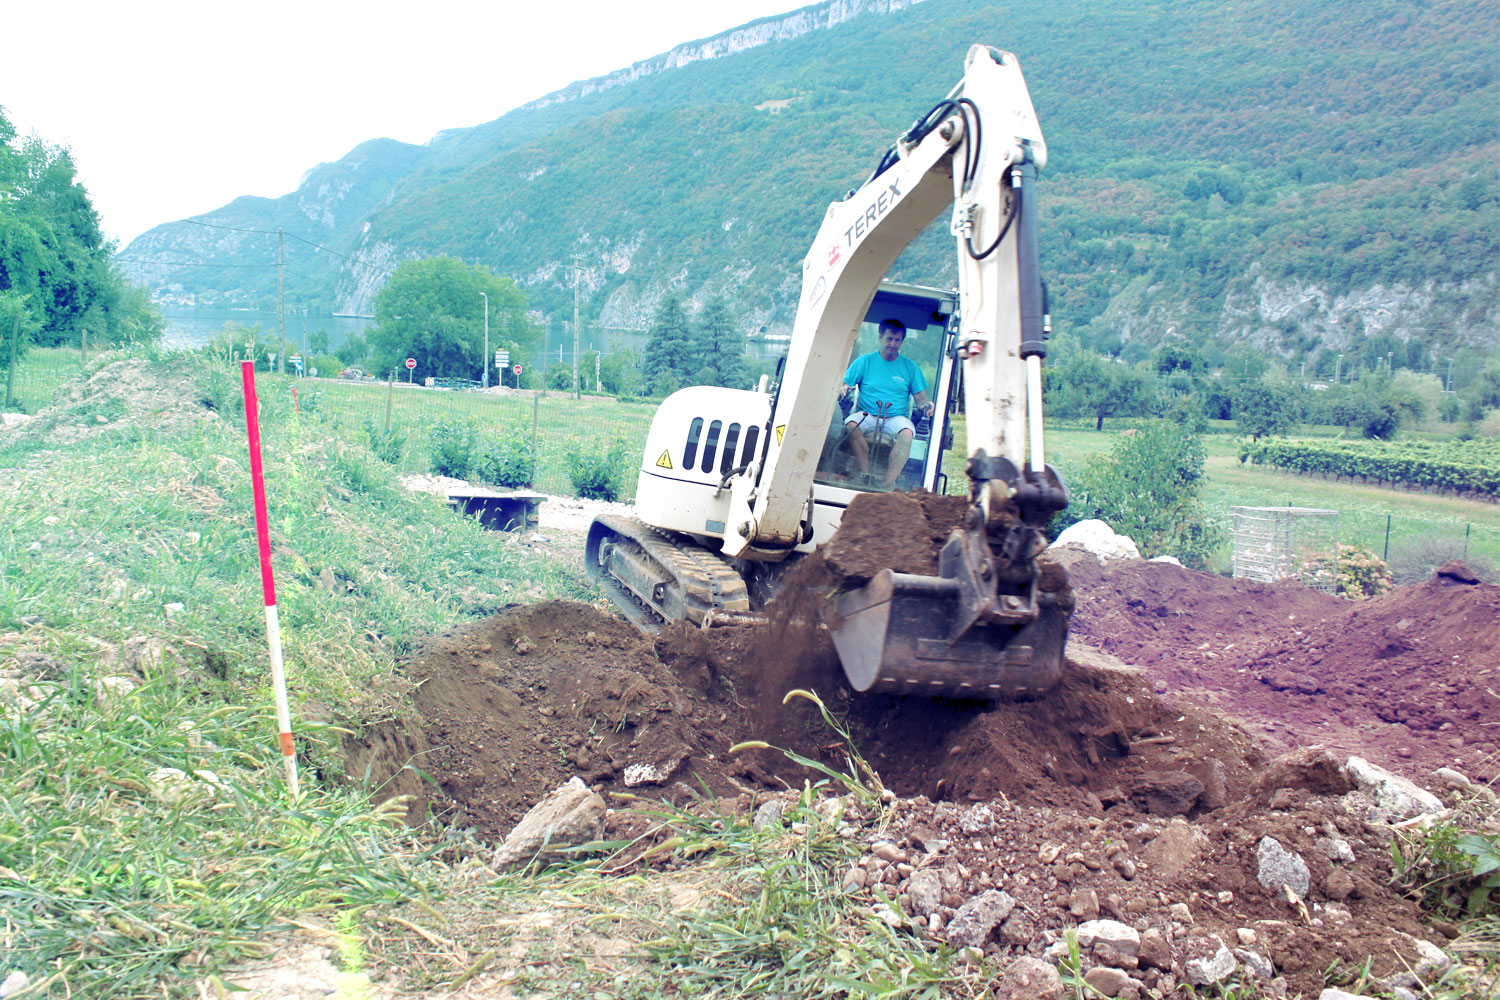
{"x":232,"y":229}
{"x":272,"y":232}
{"x":184,"y":263}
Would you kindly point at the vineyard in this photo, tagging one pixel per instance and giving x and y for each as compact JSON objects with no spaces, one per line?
{"x":1470,"y":468}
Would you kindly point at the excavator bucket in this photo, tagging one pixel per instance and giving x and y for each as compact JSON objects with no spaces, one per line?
{"x":942,"y":635}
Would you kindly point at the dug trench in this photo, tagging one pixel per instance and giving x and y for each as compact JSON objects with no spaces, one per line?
{"x":1196,"y":741}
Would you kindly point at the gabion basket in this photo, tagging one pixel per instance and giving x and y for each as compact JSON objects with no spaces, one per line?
{"x":1286,"y":543}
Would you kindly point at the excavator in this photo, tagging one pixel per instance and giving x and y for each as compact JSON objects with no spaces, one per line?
{"x":737,"y":485}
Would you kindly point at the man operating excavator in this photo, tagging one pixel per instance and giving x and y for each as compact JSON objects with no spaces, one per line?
{"x":888,"y":384}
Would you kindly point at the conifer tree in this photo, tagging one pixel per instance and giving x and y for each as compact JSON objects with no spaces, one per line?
{"x":669,"y":348}
{"x":719,"y":348}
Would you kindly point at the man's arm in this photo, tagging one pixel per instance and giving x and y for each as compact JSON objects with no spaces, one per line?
{"x":852,"y":376}
{"x":919,"y":395}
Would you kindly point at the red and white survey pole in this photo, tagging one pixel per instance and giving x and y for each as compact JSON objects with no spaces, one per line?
{"x":267,"y":584}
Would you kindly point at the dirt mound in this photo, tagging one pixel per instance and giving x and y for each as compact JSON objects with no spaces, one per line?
{"x":133,"y":395}
{"x":1129,"y":792}
{"x":898,"y":531}
{"x":515,"y":705}
{"x":1101,"y":800}
{"x":1406,"y":680}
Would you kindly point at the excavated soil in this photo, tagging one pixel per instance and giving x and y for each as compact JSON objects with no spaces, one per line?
{"x":1140,"y":789}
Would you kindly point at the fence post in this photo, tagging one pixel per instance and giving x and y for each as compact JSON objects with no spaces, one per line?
{"x":1467,"y":528}
{"x":536,"y":402}
{"x":1386,"y":557}
{"x":390,"y":389}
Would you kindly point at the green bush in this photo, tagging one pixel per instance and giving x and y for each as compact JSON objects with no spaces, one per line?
{"x":1148,"y":488}
{"x":560,"y":377}
{"x":596,"y":474}
{"x":452,"y":450}
{"x":508,"y":461}
{"x":386,"y":443}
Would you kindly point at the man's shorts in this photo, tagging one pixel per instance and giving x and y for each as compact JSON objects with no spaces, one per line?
{"x":869,"y":423}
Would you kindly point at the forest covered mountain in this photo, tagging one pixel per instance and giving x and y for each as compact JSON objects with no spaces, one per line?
{"x":1302,"y":175}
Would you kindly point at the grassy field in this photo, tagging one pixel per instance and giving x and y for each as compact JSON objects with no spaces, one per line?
{"x":1424,"y":529}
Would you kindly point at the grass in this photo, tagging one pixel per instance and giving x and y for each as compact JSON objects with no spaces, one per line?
{"x":145,"y":834}
{"x":564,"y":426}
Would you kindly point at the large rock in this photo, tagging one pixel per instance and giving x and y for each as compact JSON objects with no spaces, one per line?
{"x":568,"y":816}
{"x":1099,"y":539}
{"x":1276,"y":867}
{"x":1395,"y":797}
{"x":1210,"y":969}
{"x":1107,"y":982}
{"x":1175,"y":849}
{"x":1121,"y":937}
{"x":1313,"y":768}
{"x":925,"y":891}
{"x":976,"y":919}
{"x":1029,"y":979}
{"x":1166,"y":793}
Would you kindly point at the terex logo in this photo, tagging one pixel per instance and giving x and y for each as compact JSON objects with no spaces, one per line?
{"x":873,"y":213}
{"x":833,"y":255}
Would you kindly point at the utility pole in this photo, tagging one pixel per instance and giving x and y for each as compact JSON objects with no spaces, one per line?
{"x":280,"y":301}
{"x":1450,"y":375}
{"x":486,"y":379}
{"x":10,"y":373}
{"x":577,"y":262}
{"x":1337,"y":368}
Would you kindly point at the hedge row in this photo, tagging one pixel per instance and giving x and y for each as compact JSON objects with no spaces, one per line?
{"x":1454,"y":467}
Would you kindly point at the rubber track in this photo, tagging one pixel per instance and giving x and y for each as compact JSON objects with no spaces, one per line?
{"x":703,"y":579}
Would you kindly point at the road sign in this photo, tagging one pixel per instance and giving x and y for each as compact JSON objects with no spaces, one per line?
{"x":411,"y":363}
{"x":516,"y":369}
{"x":296,"y":360}
{"x":502,"y":358}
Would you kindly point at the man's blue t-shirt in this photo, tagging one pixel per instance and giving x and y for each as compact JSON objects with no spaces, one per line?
{"x":882,"y":381}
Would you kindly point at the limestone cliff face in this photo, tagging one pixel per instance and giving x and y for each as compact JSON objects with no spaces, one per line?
{"x":771,"y":29}
{"x":1257,"y":309}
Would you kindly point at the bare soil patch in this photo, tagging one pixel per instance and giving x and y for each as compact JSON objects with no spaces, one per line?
{"x":1140,"y":790}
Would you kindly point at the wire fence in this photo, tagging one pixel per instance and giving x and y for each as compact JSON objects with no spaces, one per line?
{"x":413,"y":417}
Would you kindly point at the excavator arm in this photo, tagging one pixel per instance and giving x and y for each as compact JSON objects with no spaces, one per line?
{"x":976,"y":151}
{"x":993,"y":622}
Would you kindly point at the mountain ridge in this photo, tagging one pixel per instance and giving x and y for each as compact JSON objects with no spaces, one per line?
{"x":1210,"y":164}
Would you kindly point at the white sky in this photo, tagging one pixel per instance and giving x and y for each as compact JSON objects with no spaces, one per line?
{"x":174,"y":108}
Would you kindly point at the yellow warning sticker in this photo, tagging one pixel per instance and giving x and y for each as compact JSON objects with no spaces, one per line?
{"x":780,"y":431}
{"x":665,"y":462}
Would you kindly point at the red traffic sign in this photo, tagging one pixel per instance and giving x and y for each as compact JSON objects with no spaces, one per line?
{"x":516,"y":369}
{"x":411,"y":362}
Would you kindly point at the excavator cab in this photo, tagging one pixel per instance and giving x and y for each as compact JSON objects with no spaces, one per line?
{"x":927,"y":314}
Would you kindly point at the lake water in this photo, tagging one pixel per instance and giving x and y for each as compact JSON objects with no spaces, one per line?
{"x":196,"y":327}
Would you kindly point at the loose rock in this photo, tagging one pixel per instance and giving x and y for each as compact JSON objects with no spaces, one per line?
{"x":1277,"y":867}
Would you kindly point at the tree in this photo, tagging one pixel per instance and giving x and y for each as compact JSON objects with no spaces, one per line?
{"x":431,"y":310}
{"x":1099,"y":388}
{"x":1263,"y":408}
{"x":670,"y":352}
{"x":53,"y":251}
{"x":317,"y":342}
{"x":718,"y":348}
{"x":1149,"y":488}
